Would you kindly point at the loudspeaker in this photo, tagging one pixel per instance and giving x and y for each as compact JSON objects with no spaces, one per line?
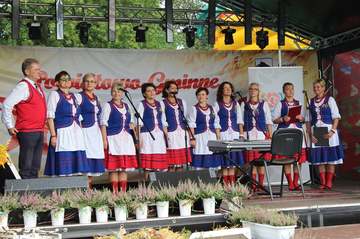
{"x":248,"y":22}
{"x":173,"y":178}
{"x":46,"y":185}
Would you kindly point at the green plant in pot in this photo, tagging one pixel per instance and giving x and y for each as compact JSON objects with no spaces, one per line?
{"x":31,"y":203}
{"x":140,"y":198}
{"x":8,"y":202}
{"x":120,"y":202}
{"x":165,"y":195}
{"x":187,"y":193}
{"x":234,"y":195}
{"x":265,"y":223}
{"x":209,"y":193}
{"x":100,"y":200}
{"x":56,"y":203}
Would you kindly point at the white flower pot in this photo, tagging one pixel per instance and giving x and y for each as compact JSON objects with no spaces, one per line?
{"x":85,"y":215}
{"x":209,"y":205}
{"x":57,"y":217}
{"x":264,"y":231}
{"x":30,"y":218}
{"x":102,"y":214}
{"x":235,"y":203}
{"x":185,"y":207}
{"x":4,"y":216}
{"x":120,"y":213}
{"x":142,"y":211}
{"x":162,"y":209}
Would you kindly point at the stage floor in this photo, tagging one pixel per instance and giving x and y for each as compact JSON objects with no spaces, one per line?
{"x":343,"y":193}
{"x":339,"y":206}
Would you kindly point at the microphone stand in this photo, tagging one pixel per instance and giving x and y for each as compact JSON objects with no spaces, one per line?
{"x":138,"y":116}
{"x":312,"y":167}
{"x":187,"y":128}
{"x":243,"y":100}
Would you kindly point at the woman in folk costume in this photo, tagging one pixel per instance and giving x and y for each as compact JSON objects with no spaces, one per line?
{"x":66,"y":153}
{"x":231,"y":122}
{"x":153,"y":155}
{"x":325,"y":113}
{"x":204,"y":124}
{"x":280,"y":117}
{"x":257,"y":126}
{"x":116,"y":124}
{"x":90,"y":113}
{"x":179,"y":154}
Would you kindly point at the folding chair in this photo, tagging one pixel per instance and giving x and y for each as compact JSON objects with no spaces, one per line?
{"x":286,"y":143}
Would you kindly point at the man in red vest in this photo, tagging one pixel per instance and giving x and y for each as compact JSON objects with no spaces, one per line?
{"x":28,"y":100}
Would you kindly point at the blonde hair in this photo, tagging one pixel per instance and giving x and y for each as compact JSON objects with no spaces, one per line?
{"x":320,"y":82}
{"x":255,"y":84}
{"x":87,"y":76}
{"x":117,"y":85}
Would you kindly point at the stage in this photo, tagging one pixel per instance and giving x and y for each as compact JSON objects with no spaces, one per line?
{"x":319,"y":208}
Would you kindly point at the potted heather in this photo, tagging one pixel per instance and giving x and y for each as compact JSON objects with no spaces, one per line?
{"x":209,"y":193}
{"x":164,"y":195}
{"x":265,"y":223}
{"x":8,"y":203}
{"x":140,"y":198}
{"x":186,"y":194}
{"x":57,"y":203}
{"x":81,"y":199}
{"x":100,"y":200}
{"x":31,"y":203}
{"x":234,"y":196}
{"x":120,"y":201}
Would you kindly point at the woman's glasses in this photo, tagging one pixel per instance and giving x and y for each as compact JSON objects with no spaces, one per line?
{"x":65,"y":78}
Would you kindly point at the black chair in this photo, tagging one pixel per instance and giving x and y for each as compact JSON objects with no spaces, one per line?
{"x":286,"y":143}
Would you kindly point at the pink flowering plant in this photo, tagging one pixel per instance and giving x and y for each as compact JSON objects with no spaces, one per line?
{"x":121,"y":199}
{"x":209,"y":190}
{"x":58,"y":200}
{"x":262,"y":216}
{"x":9,"y":202}
{"x":80,"y":198}
{"x":187,"y":190}
{"x":33,"y":202}
{"x":141,"y":195}
{"x":100,"y":198}
{"x":165,"y":193}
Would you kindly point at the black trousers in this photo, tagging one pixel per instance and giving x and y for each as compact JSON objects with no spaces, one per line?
{"x":31,"y":145}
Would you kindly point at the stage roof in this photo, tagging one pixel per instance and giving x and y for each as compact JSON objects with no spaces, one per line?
{"x":322,"y":18}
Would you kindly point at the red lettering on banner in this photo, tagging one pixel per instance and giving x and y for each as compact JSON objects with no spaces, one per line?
{"x":157,"y":78}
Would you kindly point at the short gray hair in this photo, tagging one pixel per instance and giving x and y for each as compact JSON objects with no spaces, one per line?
{"x":27,"y":63}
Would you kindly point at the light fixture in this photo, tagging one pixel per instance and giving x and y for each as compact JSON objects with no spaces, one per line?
{"x":229,"y":38}
{"x":190,"y":35}
{"x":34,"y":29}
{"x":262,"y":38}
{"x":140,"y":33}
{"x":83,"y":28}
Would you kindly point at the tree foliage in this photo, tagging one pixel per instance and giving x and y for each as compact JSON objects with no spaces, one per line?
{"x":98,"y":33}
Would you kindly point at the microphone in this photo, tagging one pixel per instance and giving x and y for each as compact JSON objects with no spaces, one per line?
{"x":237,"y":93}
{"x":170,"y":92}
{"x":122,"y":89}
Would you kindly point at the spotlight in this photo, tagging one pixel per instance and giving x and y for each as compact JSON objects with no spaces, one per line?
{"x":140,"y":33}
{"x":34,"y":30}
{"x":229,"y":39}
{"x":83,"y":28}
{"x":190,"y":35}
{"x":262,"y":38}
